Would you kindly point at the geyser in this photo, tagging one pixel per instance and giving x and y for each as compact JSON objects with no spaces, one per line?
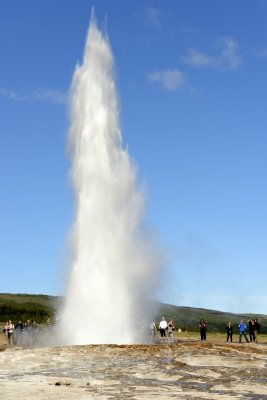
{"x":114,"y":266}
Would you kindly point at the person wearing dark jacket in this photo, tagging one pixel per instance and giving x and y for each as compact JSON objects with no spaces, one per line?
{"x":203,"y":329}
{"x":229,"y":331}
{"x":251,"y":330}
{"x":18,"y":332}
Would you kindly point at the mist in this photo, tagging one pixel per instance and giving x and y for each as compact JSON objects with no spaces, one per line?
{"x":115,"y":266}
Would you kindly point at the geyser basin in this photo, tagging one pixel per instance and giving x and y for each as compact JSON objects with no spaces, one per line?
{"x":186,"y":370}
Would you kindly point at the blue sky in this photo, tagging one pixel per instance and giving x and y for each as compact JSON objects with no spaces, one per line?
{"x":191,"y":78}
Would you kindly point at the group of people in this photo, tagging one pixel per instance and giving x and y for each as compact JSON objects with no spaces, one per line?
{"x":253,"y":329}
{"x":24,"y":334}
{"x":164,"y":327}
{"x":167,"y":328}
{"x":21,"y":334}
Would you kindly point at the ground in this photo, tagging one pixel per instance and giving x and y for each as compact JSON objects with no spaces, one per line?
{"x":185,"y":369}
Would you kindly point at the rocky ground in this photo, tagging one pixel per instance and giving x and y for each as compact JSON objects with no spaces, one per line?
{"x":182,"y":370}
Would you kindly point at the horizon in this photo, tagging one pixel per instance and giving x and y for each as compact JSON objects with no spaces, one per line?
{"x":246,"y":313}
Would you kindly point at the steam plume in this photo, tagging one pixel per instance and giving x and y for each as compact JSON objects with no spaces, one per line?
{"x":114,"y":266}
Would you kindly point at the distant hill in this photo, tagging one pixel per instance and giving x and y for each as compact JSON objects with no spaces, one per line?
{"x":40,"y":307}
{"x":22,"y":307}
{"x":187,"y":318}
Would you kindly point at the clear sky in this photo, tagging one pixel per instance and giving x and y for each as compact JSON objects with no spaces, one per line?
{"x":192,"y":83}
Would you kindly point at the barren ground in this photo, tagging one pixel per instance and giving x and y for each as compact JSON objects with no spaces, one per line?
{"x":182,"y":370}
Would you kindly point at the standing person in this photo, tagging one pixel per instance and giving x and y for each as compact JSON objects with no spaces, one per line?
{"x":27,"y":332}
{"x":162,"y":327}
{"x":153,"y":329}
{"x":251,"y":330}
{"x":203,"y":329}
{"x":229,"y":331}
{"x":257,"y":328}
{"x":10,"y":333}
{"x":34,"y":332}
{"x":170,"y":330}
{"x":242,"y":331}
{"x":18,"y":332}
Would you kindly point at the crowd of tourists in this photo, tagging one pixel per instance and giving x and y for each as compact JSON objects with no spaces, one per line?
{"x":21,"y":334}
{"x":166,"y":330}
{"x":26,"y":334}
{"x":254,"y":328}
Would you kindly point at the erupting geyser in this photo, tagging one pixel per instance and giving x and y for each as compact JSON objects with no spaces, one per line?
{"x":114,"y":266}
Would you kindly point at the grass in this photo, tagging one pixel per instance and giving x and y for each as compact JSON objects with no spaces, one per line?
{"x":214,"y":336}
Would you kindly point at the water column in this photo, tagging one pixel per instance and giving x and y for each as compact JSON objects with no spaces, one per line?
{"x":114,"y":266}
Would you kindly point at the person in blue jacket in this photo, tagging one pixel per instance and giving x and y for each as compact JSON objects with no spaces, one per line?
{"x":242,"y":331}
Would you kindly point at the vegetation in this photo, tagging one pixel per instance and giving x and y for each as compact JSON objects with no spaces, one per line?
{"x":40,"y":307}
{"x":22,"y":307}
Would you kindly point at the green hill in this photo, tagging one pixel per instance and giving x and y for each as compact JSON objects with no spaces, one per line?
{"x":40,"y":307}
{"x":27,"y":306}
{"x":187,"y":318}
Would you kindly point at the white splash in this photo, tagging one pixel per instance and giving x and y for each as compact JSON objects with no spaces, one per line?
{"x":114,"y":267}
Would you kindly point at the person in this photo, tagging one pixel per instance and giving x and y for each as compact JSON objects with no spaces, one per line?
{"x":203,"y":329}
{"x":242,"y":331}
{"x":34,"y":332}
{"x":229,"y":331}
{"x":251,"y":330}
{"x":18,"y":332}
{"x":162,"y":327}
{"x":153,"y":329}
{"x":10,"y":333}
{"x":27,"y":332}
{"x":170,"y":330}
{"x":257,"y":328}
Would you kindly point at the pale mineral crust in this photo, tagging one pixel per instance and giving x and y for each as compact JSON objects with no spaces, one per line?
{"x":181,"y":370}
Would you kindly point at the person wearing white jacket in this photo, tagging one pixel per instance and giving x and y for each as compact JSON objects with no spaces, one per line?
{"x":162,"y":327}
